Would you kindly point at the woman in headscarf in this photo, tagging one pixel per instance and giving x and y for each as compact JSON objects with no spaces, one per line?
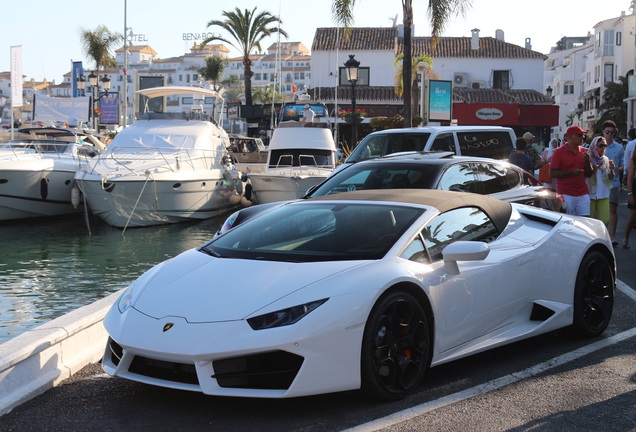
{"x":599,"y":184}
{"x":544,"y":173}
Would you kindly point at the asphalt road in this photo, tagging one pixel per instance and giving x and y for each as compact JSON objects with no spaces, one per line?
{"x":552,"y":382}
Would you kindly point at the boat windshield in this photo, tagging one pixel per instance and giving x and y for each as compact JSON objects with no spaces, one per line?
{"x":300,"y":157}
{"x":40,"y":146}
{"x":317,"y":231}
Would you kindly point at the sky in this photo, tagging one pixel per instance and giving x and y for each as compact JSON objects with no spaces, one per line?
{"x":49,"y":32}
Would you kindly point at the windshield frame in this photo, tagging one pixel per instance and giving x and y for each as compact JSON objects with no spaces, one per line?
{"x":318,"y":231}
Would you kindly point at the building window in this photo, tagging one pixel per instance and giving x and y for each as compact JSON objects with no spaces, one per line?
{"x":195,"y":77}
{"x":608,"y":73}
{"x":568,"y":89}
{"x":186,"y":100}
{"x":296,"y":75}
{"x":501,"y":79}
{"x":257,"y":77}
{"x":264,"y":77}
{"x":608,"y":47}
{"x":363,"y":76}
{"x":619,"y":38}
{"x":597,"y":74}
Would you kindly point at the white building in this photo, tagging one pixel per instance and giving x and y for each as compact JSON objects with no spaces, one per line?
{"x":286,"y":65}
{"x":486,"y":72}
{"x":578,"y":69}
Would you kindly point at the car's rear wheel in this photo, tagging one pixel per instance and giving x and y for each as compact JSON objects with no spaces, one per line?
{"x":395,"y":347}
{"x":593,"y":295}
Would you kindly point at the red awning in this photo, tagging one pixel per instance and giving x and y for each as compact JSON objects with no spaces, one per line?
{"x":498,"y":114}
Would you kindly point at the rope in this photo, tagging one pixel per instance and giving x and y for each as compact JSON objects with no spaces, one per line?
{"x":137,"y":202}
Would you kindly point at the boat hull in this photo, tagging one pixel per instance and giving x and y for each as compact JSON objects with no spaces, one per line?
{"x":271,"y":187}
{"x":35,"y":189}
{"x":146,"y":202}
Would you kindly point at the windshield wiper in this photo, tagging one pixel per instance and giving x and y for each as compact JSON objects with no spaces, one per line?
{"x":210,"y":252}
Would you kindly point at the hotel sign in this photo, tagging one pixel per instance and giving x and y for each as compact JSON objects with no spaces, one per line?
{"x":197,"y":36}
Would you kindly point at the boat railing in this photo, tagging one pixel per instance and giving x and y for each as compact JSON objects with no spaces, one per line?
{"x":49,"y":149}
{"x":173,"y":159}
{"x":193,"y":115}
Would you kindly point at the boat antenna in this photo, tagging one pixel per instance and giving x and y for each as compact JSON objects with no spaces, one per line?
{"x":272,"y":119}
{"x":335,"y":112}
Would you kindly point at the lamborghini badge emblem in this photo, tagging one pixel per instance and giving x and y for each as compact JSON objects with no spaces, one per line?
{"x":167,"y":327}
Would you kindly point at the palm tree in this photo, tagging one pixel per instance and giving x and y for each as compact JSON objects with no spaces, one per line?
{"x":212,"y":71}
{"x":267,"y":95}
{"x":98,"y":44}
{"x":248,"y":29}
{"x":438,"y":10}
{"x":420,"y":63}
{"x":614,"y":106}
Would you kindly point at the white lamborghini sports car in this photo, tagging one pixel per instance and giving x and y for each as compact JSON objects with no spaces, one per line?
{"x":359,"y":290}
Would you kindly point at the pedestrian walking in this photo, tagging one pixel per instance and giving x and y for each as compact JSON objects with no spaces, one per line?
{"x":519,"y":156}
{"x":571,"y":165}
{"x":600,"y":182}
{"x":631,"y":202}
{"x":614,"y":152}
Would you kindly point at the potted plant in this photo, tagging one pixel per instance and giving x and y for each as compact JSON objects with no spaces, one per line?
{"x":353,"y":116}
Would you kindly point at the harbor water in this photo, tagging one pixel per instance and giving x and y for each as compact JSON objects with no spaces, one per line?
{"x":49,"y":267}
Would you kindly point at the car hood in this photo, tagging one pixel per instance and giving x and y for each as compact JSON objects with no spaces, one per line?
{"x":201,"y":288}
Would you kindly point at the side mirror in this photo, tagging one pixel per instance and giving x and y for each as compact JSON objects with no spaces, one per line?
{"x":463,"y":251}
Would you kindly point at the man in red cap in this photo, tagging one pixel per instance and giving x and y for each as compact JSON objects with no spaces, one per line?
{"x":570,"y":165}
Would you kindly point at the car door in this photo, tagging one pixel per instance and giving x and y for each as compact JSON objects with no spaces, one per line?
{"x":487,"y":295}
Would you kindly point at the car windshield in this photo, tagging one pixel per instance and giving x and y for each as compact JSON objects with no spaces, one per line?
{"x":317,"y":231}
{"x":378,"y":175}
{"x":382,"y":144}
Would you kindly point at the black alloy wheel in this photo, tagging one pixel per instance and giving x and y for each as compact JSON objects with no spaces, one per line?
{"x":593,"y":295}
{"x":395,"y":347}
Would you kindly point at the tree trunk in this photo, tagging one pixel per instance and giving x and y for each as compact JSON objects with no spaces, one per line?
{"x":407,"y":65}
{"x":247,"y":78}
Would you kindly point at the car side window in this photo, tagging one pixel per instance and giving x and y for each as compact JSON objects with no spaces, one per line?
{"x":374,"y":148}
{"x":495,"y":178}
{"x":444,"y":142}
{"x":490,"y":144}
{"x":466,"y":224}
{"x":460,"y":177}
{"x":416,"y":251}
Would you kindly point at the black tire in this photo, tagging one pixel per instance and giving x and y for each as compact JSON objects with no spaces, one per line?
{"x":395,"y":347}
{"x":593,"y":295}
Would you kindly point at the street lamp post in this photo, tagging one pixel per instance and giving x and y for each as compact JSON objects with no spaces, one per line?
{"x":93,"y":79}
{"x":353,"y":67}
{"x":81,"y":85}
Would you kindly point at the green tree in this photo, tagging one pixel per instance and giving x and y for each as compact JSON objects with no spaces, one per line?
{"x":439,"y":12}
{"x":98,"y":44}
{"x":233,"y":89}
{"x":420,"y":63}
{"x":248,"y":29}
{"x":267,"y":95}
{"x":614,"y":106}
{"x":212,"y":71}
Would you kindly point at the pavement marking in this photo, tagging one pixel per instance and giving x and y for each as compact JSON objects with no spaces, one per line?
{"x":626,"y":289}
{"x":401,"y":416}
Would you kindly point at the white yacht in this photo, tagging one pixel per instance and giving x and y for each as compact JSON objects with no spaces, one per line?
{"x":37,"y":171}
{"x":164,"y":168}
{"x":298,"y":158}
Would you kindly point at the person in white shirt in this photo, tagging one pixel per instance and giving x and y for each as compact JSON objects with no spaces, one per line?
{"x":308,"y":116}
